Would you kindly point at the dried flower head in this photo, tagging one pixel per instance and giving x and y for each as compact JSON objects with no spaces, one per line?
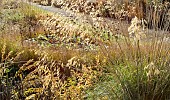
{"x":152,"y":70}
{"x":136,"y":29}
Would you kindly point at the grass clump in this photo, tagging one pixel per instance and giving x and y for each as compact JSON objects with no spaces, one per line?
{"x":135,"y":71}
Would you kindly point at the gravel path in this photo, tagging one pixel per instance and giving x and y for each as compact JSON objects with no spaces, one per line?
{"x":54,"y":10}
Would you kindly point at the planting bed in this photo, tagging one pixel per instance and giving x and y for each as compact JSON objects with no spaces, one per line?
{"x":83,"y":50}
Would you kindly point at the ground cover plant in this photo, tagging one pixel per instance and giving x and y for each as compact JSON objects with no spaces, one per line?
{"x":46,"y":56}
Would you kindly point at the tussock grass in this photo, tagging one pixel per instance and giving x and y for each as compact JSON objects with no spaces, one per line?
{"x":135,"y":71}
